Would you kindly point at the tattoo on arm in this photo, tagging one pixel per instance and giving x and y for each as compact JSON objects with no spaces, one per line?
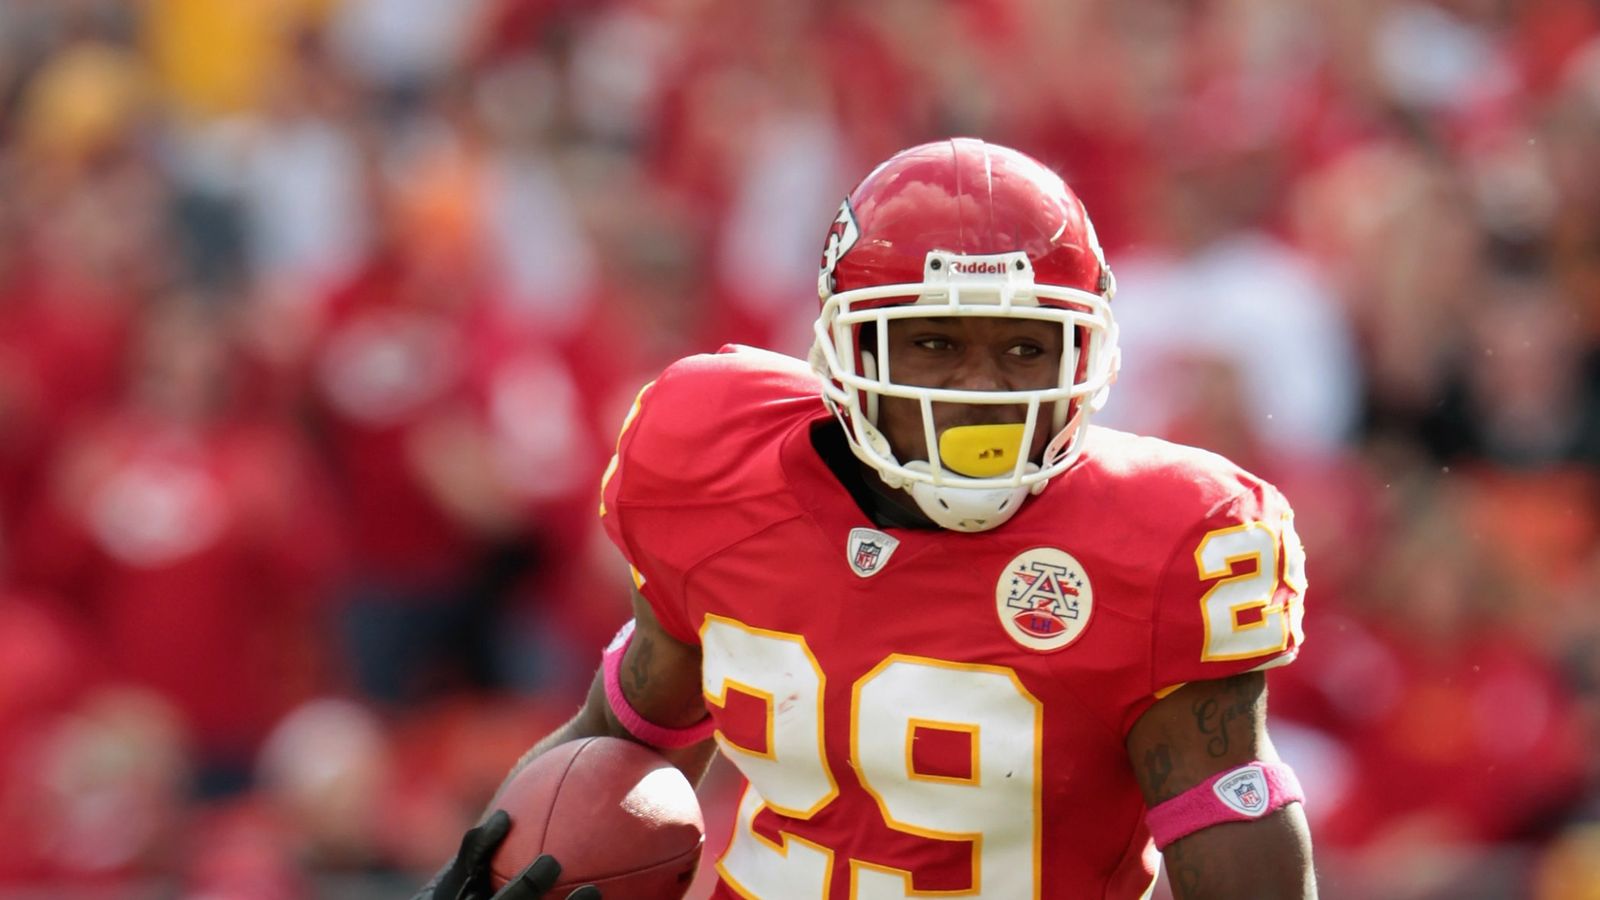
{"x":1183,"y":739}
{"x":1214,"y":718}
{"x":1158,"y":768}
{"x":639,"y":666}
{"x":1182,"y":871}
{"x":1207,"y":720}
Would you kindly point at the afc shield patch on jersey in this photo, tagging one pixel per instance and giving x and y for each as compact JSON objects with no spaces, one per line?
{"x":1245,"y":791}
{"x":869,"y":549}
{"x":1044,"y":599}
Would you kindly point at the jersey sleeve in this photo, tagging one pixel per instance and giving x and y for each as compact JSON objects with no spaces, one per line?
{"x":697,"y":470}
{"x":1231,"y":599}
{"x":653,"y":576}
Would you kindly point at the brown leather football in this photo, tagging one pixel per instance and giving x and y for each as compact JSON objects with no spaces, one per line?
{"x":614,"y":814}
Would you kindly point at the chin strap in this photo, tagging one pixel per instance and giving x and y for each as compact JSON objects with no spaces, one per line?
{"x":966,"y":509}
{"x":949,"y":506}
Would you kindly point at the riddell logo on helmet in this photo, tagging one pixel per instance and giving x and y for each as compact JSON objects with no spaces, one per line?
{"x":977,"y":268}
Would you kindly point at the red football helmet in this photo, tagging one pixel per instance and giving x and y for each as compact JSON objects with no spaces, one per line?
{"x":964,"y":228}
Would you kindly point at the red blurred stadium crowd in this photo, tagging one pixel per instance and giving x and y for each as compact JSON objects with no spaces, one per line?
{"x":317,"y":319}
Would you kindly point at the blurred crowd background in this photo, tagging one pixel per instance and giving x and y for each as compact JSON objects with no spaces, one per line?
{"x":317,"y":318}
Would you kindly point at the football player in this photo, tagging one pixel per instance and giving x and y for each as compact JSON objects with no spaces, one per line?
{"x":958,"y":641}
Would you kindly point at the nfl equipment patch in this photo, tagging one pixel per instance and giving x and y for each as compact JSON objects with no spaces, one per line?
{"x":1244,"y":791}
{"x":1044,"y":599}
{"x":869,"y":550}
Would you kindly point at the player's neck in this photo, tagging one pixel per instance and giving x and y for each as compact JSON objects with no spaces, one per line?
{"x":886,"y":507}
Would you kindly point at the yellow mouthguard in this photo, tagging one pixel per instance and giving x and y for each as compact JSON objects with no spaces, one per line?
{"x":981,"y":451}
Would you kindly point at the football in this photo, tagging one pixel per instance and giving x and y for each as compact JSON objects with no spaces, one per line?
{"x":613,"y":813}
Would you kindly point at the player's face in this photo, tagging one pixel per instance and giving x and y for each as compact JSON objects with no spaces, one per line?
{"x":975,"y":353}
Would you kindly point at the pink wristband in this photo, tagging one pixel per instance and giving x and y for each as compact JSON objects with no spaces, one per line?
{"x":647,"y":732}
{"x":1237,"y":795}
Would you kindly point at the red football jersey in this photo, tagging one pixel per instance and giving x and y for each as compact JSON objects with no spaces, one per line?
{"x":926,"y":710}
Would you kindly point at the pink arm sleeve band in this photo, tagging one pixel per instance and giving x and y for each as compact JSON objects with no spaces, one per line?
{"x":652,"y":734}
{"x":1237,"y":795}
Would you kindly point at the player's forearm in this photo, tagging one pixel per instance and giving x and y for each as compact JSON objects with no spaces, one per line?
{"x":1268,"y":859}
{"x":692,"y":760}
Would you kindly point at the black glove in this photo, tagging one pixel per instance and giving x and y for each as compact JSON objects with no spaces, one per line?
{"x":467,"y":876}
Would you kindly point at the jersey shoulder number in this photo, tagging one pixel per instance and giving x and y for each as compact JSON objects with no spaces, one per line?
{"x":1232,"y":597}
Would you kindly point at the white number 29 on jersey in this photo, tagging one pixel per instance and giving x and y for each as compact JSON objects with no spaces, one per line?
{"x":1242,"y":612}
{"x":994,"y":805}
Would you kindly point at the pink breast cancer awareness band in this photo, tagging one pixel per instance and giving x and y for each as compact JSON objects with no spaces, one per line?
{"x":647,"y":732}
{"x":1242,"y":794}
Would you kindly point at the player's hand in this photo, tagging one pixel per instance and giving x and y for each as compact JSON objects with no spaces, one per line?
{"x":536,"y":880}
{"x":467,"y":876}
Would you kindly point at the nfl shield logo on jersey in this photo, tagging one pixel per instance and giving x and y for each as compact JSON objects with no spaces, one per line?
{"x":1245,"y":791}
{"x":1044,"y":599}
{"x":869,"y":550}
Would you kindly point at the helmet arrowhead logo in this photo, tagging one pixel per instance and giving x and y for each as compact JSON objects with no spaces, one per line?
{"x":842,"y":235}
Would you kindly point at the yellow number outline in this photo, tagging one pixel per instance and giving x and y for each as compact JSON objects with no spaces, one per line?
{"x":752,"y":803}
{"x":1266,"y":570}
